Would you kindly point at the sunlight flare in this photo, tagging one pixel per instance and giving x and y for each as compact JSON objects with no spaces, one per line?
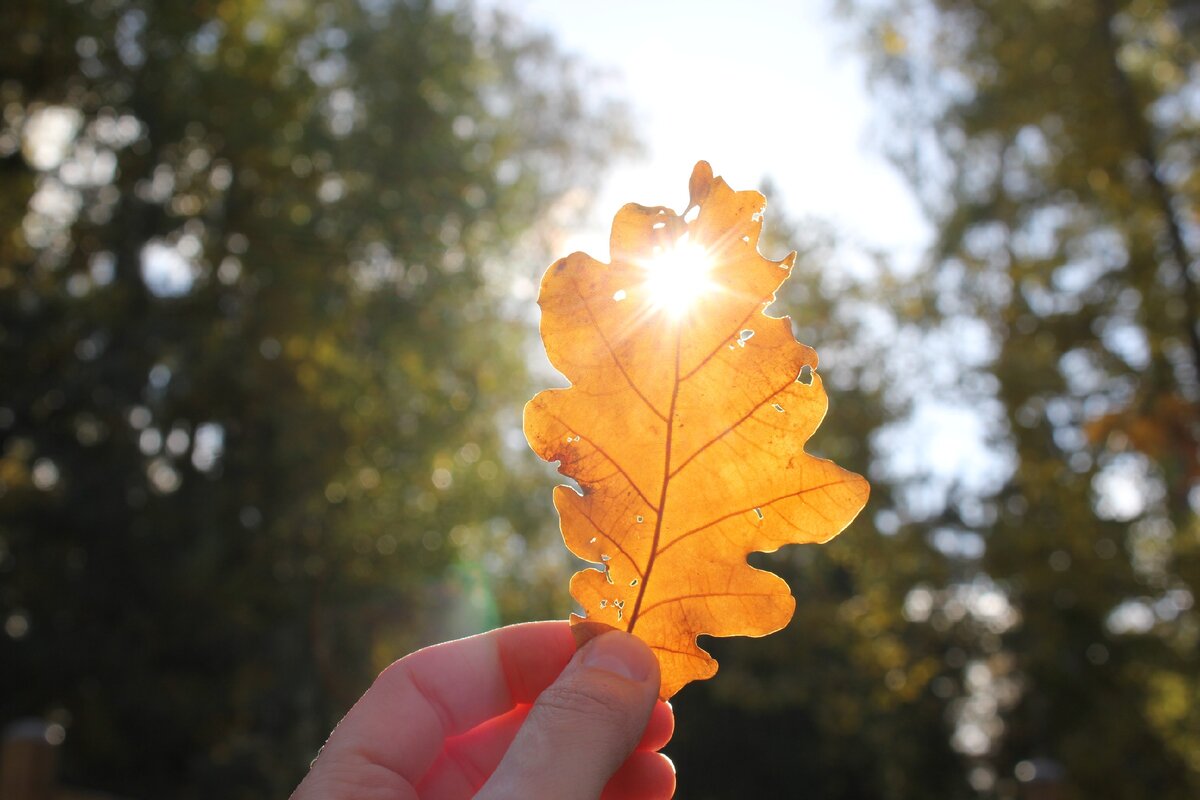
{"x":676,"y":278}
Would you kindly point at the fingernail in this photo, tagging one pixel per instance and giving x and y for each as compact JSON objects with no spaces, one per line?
{"x":618,"y":653}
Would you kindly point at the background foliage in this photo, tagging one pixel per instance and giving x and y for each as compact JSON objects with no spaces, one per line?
{"x":256,"y":345}
{"x":264,"y":337}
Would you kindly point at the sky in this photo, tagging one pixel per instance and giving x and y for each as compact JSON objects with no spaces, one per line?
{"x":772,"y":88}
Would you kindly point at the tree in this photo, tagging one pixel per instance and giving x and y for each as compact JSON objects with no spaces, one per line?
{"x":851,"y":699}
{"x":255,"y":341}
{"x":1054,"y":150}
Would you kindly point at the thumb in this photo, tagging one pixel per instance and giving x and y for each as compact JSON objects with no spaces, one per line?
{"x":583,"y":726}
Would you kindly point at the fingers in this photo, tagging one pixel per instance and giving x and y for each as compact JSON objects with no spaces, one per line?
{"x":443,"y":718}
{"x":468,"y":760}
{"x":659,"y":729}
{"x":401,"y":723}
{"x":583,"y":726}
{"x":643,"y":776}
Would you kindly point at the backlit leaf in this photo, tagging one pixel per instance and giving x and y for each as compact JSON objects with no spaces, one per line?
{"x":685,"y":428}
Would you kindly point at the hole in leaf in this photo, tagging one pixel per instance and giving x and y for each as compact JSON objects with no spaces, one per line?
{"x":619,"y":295}
{"x":777,"y":407}
{"x":758,"y":511}
{"x":806,"y":375}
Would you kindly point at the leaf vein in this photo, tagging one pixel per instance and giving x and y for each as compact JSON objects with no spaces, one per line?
{"x":721,"y":519}
{"x":729,"y":429}
{"x":698,"y":595}
{"x":612,"y":353}
{"x":621,"y":470}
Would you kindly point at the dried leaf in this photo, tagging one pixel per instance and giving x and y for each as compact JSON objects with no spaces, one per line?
{"x":685,"y":428}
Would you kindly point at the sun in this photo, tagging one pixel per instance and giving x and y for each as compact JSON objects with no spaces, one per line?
{"x":676,"y":278}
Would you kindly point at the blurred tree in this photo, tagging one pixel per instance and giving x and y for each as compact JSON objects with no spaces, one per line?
{"x":850,"y":700}
{"x":255,"y":361}
{"x":1054,"y":147}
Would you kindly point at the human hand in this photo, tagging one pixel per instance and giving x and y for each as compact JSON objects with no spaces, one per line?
{"x":512,"y":713}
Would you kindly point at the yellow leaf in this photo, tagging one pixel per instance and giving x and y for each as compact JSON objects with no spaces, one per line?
{"x":685,"y":428}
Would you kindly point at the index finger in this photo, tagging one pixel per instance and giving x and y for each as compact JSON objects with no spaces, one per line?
{"x":418,"y":702}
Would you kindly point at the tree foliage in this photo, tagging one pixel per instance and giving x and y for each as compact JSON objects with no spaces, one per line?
{"x":1053,"y":146}
{"x":255,"y":345}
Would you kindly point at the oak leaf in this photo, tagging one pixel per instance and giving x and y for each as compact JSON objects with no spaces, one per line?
{"x":685,"y":427}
